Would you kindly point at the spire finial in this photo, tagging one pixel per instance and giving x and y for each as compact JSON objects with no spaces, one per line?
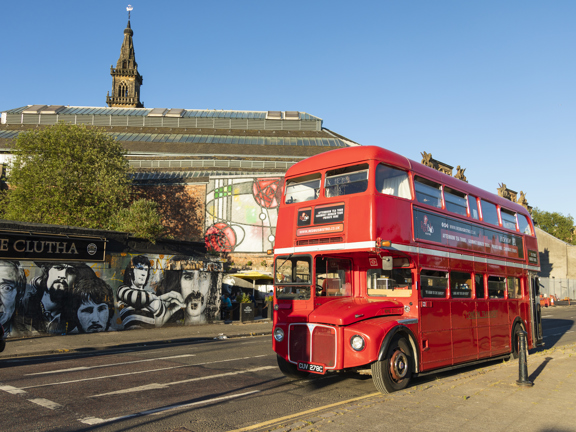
{"x":129,"y":8}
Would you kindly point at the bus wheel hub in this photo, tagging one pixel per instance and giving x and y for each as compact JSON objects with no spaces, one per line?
{"x":398,"y":365}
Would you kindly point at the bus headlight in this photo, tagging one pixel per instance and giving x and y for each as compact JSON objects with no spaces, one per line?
{"x":278,"y":334}
{"x":357,"y":343}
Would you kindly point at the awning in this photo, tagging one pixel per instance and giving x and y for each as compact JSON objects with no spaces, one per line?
{"x":253,"y":276}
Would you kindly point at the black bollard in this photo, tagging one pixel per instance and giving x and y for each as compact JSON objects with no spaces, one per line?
{"x":523,"y":361}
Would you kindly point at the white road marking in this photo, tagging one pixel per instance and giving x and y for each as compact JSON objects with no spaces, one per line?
{"x":95,"y":420}
{"x":45,"y":403}
{"x":546,"y":316}
{"x":12,"y":390}
{"x":81,"y":368}
{"x":156,"y":386}
{"x":68,"y":357}
{"x":141,"y":372}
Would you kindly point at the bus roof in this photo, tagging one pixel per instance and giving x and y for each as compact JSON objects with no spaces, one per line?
{"x":354,"y":155}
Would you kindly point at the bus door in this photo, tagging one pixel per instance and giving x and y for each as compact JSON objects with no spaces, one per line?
{"x":535,"y":312}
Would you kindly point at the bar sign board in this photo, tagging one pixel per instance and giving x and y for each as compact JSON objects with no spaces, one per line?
{"x":21,"y":246}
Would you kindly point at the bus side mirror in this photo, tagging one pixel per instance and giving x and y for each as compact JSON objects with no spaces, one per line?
{"x":387,"y":263}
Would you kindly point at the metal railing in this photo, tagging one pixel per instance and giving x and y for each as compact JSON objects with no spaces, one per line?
{"x":561,"y":288}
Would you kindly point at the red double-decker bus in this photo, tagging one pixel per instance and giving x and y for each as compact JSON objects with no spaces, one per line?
{"x":386,"y":265}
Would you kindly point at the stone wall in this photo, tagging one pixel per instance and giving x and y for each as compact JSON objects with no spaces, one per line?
{"x":557,"y":258}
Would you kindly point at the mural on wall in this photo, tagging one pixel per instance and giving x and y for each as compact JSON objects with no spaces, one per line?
{"x":126,"y":292}
{"x":241,"y":213}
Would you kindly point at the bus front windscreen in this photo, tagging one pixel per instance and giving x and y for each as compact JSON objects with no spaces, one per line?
{"x":293,"y":277}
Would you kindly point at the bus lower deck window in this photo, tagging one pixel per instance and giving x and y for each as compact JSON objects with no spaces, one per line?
{"x":460,"y":285}
{"x":389,"y":283}
{"x":496,"y":287}
{"x":434,"y":283}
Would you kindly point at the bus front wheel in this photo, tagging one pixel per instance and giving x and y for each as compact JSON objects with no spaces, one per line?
{"x":393,"y":373}
{"x":289,"y":369}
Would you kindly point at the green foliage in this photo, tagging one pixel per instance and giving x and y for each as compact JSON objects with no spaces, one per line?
{"x":141,"y":218}
{"x":556,"y":224}
{"x":74,"y":175}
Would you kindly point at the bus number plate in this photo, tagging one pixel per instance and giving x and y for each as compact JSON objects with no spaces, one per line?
{"x":309,"y":367}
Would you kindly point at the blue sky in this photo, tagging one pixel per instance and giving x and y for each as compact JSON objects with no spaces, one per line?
{"x":487,"y":85}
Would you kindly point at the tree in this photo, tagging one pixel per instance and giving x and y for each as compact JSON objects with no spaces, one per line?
{"x":141,"y":218}
{"x":69,"y":175}
{"x":556,"y":224}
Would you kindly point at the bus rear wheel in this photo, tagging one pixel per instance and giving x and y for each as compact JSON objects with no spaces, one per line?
{"x":289,"y":369}
{"x":394,"y":372}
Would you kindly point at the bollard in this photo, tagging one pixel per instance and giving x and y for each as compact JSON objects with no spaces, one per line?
{"x":523,"y":361}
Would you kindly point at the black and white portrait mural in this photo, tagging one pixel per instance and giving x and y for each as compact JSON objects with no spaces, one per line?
{"x":128,"y":291}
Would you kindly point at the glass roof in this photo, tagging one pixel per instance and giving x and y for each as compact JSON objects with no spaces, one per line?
{"x":230,"y":139}
{"x":72,"y":110}
{"x":214,"y":139}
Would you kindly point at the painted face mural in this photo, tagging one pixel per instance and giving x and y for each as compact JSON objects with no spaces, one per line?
{"x":126,"y":291}
{"x":60,"y":278}
{"x":194,"y":287}
{"x":140,"y":275}
{"x":8,"y":292}
{"x":241,"y":213}
{"x":93,"y":317}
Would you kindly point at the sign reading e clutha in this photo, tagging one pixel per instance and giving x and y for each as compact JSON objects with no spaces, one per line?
{"x":22,"y":246}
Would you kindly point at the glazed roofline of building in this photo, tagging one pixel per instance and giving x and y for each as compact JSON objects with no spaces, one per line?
{"x":159,"y":112}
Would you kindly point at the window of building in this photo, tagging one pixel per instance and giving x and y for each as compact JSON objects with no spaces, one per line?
{"x":389,"y":283}
{"x":428,"y":192}
{"x":460,"y":285}
{"x":434,"y":284}
{"x":479,"y":286}
{"x":524,"y":225}
{"x":489,"y":212}
{"x":455,"y":201}
{"x":333,"y":277}
{"x":392,"y":181}
{"x":496,"y":287}
{"x":346,"y":181}
{"x":302,"y":189}
{"x":508,"y":219}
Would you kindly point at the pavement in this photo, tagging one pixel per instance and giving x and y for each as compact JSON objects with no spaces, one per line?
{"x":473,"y":399}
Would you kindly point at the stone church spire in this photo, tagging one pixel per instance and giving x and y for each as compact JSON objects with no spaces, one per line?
{"x":126,"y":80}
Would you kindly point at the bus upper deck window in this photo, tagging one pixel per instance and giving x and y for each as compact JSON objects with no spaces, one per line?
{"x":489,"y":212}
{"x":508,"y":219}
{"x":304,"y":188}
{"x":392,"y":181}
{"x":347,"y":180}
{"x":428,"y":192}
{"x":455,"y":201}
{"x":524,"y":225}
{"x":473,"y":206}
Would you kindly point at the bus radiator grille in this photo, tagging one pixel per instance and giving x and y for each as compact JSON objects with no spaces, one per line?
{"x":322,"y":350}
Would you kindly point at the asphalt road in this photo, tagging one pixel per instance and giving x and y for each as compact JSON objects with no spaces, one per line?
{"x":211,"y":386}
